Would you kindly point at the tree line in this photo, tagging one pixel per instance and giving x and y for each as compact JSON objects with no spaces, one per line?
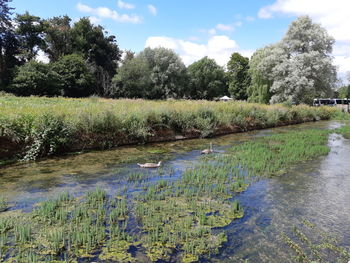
{"x":86,"y":60}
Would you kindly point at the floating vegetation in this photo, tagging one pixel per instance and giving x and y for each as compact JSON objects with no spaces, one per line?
{"x":323,"y":247}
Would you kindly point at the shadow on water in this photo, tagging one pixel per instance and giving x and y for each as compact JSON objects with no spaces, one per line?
{"x":317,"y":190}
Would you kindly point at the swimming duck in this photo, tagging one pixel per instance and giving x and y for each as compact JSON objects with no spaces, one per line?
{"x":208,"y":151}
{"x":150,"y":165}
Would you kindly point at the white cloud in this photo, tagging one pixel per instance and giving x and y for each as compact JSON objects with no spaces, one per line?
{"x":104,"y":12}
{"x":94,"y":20}
{"x":218,"y":47}
{"x":223,"y":27}
{"x":250,"y":18}
{"x":124,"y":5}
{"x":332,"y":15}
{"x":152,"y":9}
{"x":212,"y":31}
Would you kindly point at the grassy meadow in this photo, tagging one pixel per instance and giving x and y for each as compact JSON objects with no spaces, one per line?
{"x":34,"y":127}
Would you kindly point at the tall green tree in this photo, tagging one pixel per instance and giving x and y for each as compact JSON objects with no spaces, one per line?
{"x":9,"y":45}
{"x":99,"y":49}
{"x":30,"y":34}
{"x":153,"y":74}
{"x":207,"y":79}
{"x":5,"y":15}
{"x":58,"y":37}
{"x":238,"y":76}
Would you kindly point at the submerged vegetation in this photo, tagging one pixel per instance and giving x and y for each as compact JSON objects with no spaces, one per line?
{"x":35,"y":127}
{"x":182,"y":218}
{"x":323,"y":247}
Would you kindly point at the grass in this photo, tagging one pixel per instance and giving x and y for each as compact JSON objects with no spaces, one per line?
{"x":345,"y":131}
{"x":49,"y":126}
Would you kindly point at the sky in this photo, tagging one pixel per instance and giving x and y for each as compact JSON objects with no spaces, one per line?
{"x":198,"y":28}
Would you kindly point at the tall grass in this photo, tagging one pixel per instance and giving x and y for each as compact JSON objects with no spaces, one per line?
{"x":35,"y":127}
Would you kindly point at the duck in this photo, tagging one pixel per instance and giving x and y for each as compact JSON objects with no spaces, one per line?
{"x":208,"y":151}
{"x":150,"y":165}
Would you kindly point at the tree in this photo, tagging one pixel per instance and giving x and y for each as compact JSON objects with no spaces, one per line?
{"x":5,"y":13}
{"x":9,"y":46}
{"x":153,"y":74}
{"x":297,"y":69}
{"x":30,"y":33}
{"x":207,"y":79}
{"x":306,"y":69}
{"x":260,"y":70}
{"x":36,"y":78}
{"x":238,"y":76}
{"x":58,"y":37}
{"x":76,"y":80}
{"x":344,"y":92}
{"x":133,"y":79}
{"x":100,"y":50}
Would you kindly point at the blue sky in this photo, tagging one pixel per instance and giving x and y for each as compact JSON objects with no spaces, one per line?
{"x":195,"y":28}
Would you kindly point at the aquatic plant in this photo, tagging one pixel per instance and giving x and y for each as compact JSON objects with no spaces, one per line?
{"x":3,"y":204}
{"x":323,"y":247}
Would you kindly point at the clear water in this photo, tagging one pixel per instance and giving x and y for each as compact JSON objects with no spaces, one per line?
{"x":317,"y":190}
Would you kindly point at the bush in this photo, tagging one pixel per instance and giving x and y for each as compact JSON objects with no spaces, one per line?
{"x":35,"y":78}
{"x":76,"y":80}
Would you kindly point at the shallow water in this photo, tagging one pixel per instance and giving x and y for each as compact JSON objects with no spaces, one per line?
{"x":316,"y":190}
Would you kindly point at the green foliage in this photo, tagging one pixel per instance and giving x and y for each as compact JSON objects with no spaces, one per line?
{"x":35,"y":78}
{"x":58,"y":37}
{"x":49,"y":135}
{"x":75,"y":80}
{"x":153,"y":74}
{"x":344,"y":92}
{"x":9,"y":46}
{"x":207,"y":79}
{"x":100,"y":50}
{"x":30,"y":33}
{"x":238,"y":76}
{"x":133,"y":79}
{"x":5,"y":13}
{"x":259,"y":90}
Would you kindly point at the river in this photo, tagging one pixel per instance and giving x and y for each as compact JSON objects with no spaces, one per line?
{"x":317,"y":190}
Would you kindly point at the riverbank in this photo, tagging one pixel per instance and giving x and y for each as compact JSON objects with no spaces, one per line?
{"x":36,"y":127}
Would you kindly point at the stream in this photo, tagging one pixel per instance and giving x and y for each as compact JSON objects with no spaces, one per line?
{"x":316,"y":190}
